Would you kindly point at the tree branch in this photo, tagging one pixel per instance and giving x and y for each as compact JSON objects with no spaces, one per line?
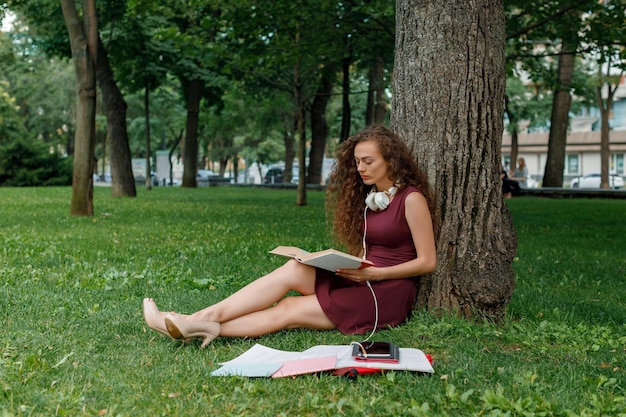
{"x":547,"y":19}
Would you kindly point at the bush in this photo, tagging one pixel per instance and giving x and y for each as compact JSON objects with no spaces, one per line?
{"x":25,"y":163}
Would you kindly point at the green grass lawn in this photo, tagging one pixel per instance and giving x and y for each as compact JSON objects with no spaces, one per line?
{"x":73,"y":341}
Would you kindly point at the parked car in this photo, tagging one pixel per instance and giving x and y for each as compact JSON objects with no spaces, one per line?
{"x":106,"y":177}
{"x":205,"y":174}
{"x":274,"y":174}
{"x":141,"y":179}
{"x":593,"y":181}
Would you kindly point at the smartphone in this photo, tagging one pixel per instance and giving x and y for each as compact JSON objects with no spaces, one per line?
{"x":375,"y":351}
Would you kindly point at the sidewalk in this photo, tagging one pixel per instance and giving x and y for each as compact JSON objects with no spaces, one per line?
{"x":574,"y":193}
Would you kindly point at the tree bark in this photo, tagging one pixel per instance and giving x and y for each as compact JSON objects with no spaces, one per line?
{"x":122,"y":179}
{"x":319,"y":129}
{"x":449,"y":83}
{"x":80,"y":34}
{"x":559,"y":122}
{"x":193,"y":92}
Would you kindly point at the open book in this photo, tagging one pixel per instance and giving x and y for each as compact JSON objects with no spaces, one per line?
{"x":329,"y":259}
{"x":263,"y":361}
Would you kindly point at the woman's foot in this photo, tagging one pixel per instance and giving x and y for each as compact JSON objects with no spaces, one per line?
{"x":180,"y":327}
{"x":154,"y":318}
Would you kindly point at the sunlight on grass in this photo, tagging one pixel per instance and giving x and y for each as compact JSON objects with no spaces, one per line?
{"x":73,"y":341}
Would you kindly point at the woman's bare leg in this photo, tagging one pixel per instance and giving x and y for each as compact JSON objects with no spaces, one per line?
{"x":261,"y":293}
{"x":290,"y":313}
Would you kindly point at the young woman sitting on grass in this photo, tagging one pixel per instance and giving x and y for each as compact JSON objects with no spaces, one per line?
{"x":383,"y":211}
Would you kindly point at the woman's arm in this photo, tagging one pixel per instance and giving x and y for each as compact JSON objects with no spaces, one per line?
{"x":420,"y":223}
{"x":521,"y":175}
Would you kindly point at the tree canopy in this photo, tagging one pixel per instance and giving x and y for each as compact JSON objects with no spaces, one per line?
{"x":327,"y":64}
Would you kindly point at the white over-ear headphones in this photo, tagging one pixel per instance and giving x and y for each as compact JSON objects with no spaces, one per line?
{"x":379,"y":200}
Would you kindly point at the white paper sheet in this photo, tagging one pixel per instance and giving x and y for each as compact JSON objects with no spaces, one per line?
{"x":410,"y":359}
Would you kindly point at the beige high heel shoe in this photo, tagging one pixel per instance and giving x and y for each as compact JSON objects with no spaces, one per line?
{"x":181,"y":327}
{"x":154,"y":318}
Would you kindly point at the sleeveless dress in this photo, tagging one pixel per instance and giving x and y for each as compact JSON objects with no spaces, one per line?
{"x":350,"y":305}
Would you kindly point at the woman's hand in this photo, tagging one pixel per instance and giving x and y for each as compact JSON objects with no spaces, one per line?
{"x":360,"y":275}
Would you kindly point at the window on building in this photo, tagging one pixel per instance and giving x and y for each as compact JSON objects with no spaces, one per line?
{"x":572,"y":166}
{"x":617,"y":163}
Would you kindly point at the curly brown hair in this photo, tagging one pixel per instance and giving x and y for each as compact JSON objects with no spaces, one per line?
{"x":346,"y":191}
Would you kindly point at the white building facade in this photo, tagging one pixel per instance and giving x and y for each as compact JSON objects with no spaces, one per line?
{"x":582,"y":149}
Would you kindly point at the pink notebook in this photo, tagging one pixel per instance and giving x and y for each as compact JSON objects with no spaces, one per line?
{"x":306,"y":366}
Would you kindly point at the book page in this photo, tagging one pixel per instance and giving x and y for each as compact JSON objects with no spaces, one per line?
{"x":329,"y":259}
{"x":289,"y":252}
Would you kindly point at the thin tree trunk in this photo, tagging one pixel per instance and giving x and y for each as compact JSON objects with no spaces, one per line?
{"x":605,"y":111}
{"x":193,"y":92}
{"x":319,"y":129}
{"x":346,"y":111}
{"x":80,"y":33}
{"x":146,"y":104}
{"x":301,"y":132}
{"x":376,"y":103}
{"x":605,"y":153}
{"x":122,"y":179}
{"x":559,"y":122}
{"x":290,"y":152}
{"x":449,"y":83}
{"x":514,"y":132}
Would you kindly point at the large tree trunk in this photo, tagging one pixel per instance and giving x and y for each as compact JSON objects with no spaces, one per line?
{"x":193,"y":93}
{"x":84,"y":55}
{"x":319,"y":129}
{"x":449,"y":83}
{"x":559,"y":122}
{"x":122,"y":179}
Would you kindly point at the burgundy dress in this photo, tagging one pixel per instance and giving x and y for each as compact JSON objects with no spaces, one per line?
{"x":350,"y":305}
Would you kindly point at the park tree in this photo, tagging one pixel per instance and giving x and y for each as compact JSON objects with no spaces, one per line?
{"x":363,"y":40}
{"x":83,"y":34}
{"x":139,"y":67}
{"x":551,"y":32}
{"x":287,"y":38}
{"x":449,"y":85}
{"x":186,"y":32}
{"x":303,"y":48}
{"x":233,"y":133}
{"x":527,"y":104}
{"x":607,"y":34}
{"x":46,"y":107}
{"x":45,"y":21}
{"x":559,"y":122}
{"x":122,"y":178}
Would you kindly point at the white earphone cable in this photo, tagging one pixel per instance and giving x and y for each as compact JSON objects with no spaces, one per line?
{"x":367,"y":282}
